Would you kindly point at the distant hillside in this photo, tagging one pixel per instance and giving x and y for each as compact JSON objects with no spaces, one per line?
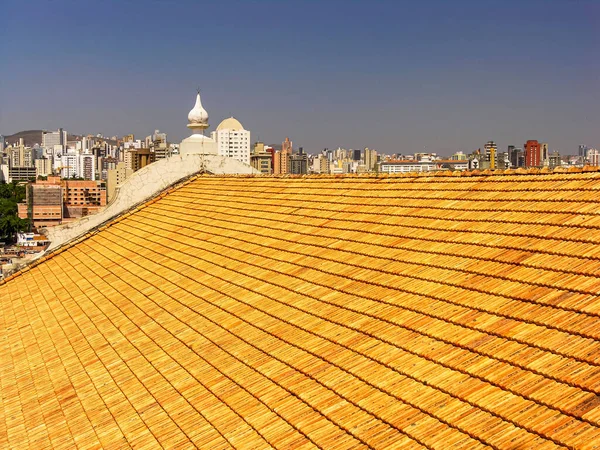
{"x":31,"y":137}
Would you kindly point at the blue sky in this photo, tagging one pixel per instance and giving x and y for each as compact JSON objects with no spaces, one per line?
{"x":397,"y":76}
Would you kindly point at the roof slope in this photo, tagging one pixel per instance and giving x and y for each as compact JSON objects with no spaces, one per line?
{"x":441,"y":312}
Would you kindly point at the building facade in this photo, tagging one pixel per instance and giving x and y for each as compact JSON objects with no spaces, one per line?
{"x":21,"y":173}
{"x":370,"y":159}
{"x":532,"y":153}
{"x":43,"y":204}
{"x":261,"y":159}
{"x":233,"y":141}
{"x":52,"y":138}
{"x":298,"y":163}
{"x":405,"y":166}
{"x":116,"y":177}
{"x":82,"y":198}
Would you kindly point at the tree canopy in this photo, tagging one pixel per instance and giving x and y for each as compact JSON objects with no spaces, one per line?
{"x":10,"y":223}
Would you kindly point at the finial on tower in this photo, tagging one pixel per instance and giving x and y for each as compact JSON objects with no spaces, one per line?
{"x":198,"y":117}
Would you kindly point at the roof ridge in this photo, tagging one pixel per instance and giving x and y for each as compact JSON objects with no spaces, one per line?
{"x":430,"y":174}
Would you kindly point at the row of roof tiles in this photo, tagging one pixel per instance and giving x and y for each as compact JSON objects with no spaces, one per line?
{"x":288,"y":317}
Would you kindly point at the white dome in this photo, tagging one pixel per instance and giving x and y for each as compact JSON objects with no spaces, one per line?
{"x":198,"y":114}
{"x":231,"y":124}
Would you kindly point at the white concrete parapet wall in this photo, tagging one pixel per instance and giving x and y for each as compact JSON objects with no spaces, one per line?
{"x":145,"y":184}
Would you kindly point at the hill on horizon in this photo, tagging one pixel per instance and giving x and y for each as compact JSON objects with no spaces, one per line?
{"x":31,"y":137}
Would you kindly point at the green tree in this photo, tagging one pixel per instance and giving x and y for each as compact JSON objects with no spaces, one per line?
{"x":10,"y":223}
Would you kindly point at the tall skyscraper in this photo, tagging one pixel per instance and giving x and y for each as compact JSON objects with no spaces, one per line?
{"x":532,"y":153}
{"x":298,"y":163}
{"x":20,"y":156}
{"x":516,"y":157}
{"x":370,"y":159}
{"x":582,"y":151}
{"x":261,"y":159}
{"x":86,"y":166}
{"x":488,"y":147}
{"x":283,"y":160}
{"x":52,"y":138}
{"x":233,"y":140}
{"x":544,"y":154}
{"x":69,"y":164}
{"x":593,"y":156}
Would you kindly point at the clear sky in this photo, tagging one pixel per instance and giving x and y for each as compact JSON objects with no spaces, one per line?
{"x":397,"y":76}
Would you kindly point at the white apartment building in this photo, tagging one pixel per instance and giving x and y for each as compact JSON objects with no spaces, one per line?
{"x":86,"y":166}
{"x":4,"y":173}
{"x":593,"y":157}
{"x":135,"y":145}
{"x":52,"y":138}
{"x":44,"y":166}
{"x":427,"y":165}
{"x":74,"y":164}
{"x":233,"y":140}
{"x":69,"y":163}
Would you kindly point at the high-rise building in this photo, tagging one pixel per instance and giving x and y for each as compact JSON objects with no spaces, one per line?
{"x":21,"y":173}
{"x":2,"y":144}
{"x":554,"y":160}
{"x":86,"y":166}
{"x":43,"y":166}
{"x":52,"y":138}
{"x":271,"y":151}
{"x":298,"y":163}
{"x":488,"y":147}
{"x":532,"y":153}
{"x":20,"y":156}
{"x":459,"y":156}
{"x":287,"y":145}
{"x":321,"y":163}
{"x":44,"y":203}
{"x":284,"y":157}
{"x":329,"y":154}
{"x":161,"y":150}
{"x":515,"y":154}
{"x":370,"y":159}
{"x":582,"y":151}
{"x":233,"y":140}
{"x":356,"y":155}
{"x":593,"y":157}
{"x":277,"y":162}
{"x":138,"y":159}
{"x":116,"y":177}
{"x":82,"y":198}
{"x":261,"y":159}
{"x":4,"y":173}
{"x":69,"y":164}
{"x":544,"y":154}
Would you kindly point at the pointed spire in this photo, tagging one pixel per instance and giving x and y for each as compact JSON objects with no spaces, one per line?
{"x":198,"y":117}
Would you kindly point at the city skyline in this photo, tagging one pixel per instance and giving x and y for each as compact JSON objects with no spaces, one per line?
{"x":397,"y":77}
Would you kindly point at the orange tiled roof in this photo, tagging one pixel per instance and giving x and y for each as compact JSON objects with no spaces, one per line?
{"x":331,"y":312}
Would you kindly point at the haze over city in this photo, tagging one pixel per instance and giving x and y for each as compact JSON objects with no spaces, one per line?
{"x":399,"y":77}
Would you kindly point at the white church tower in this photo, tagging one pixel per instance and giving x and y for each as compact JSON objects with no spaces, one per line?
{"x":197,"y":143}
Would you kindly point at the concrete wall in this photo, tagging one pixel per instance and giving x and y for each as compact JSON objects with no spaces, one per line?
{"x":145,"y":184}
